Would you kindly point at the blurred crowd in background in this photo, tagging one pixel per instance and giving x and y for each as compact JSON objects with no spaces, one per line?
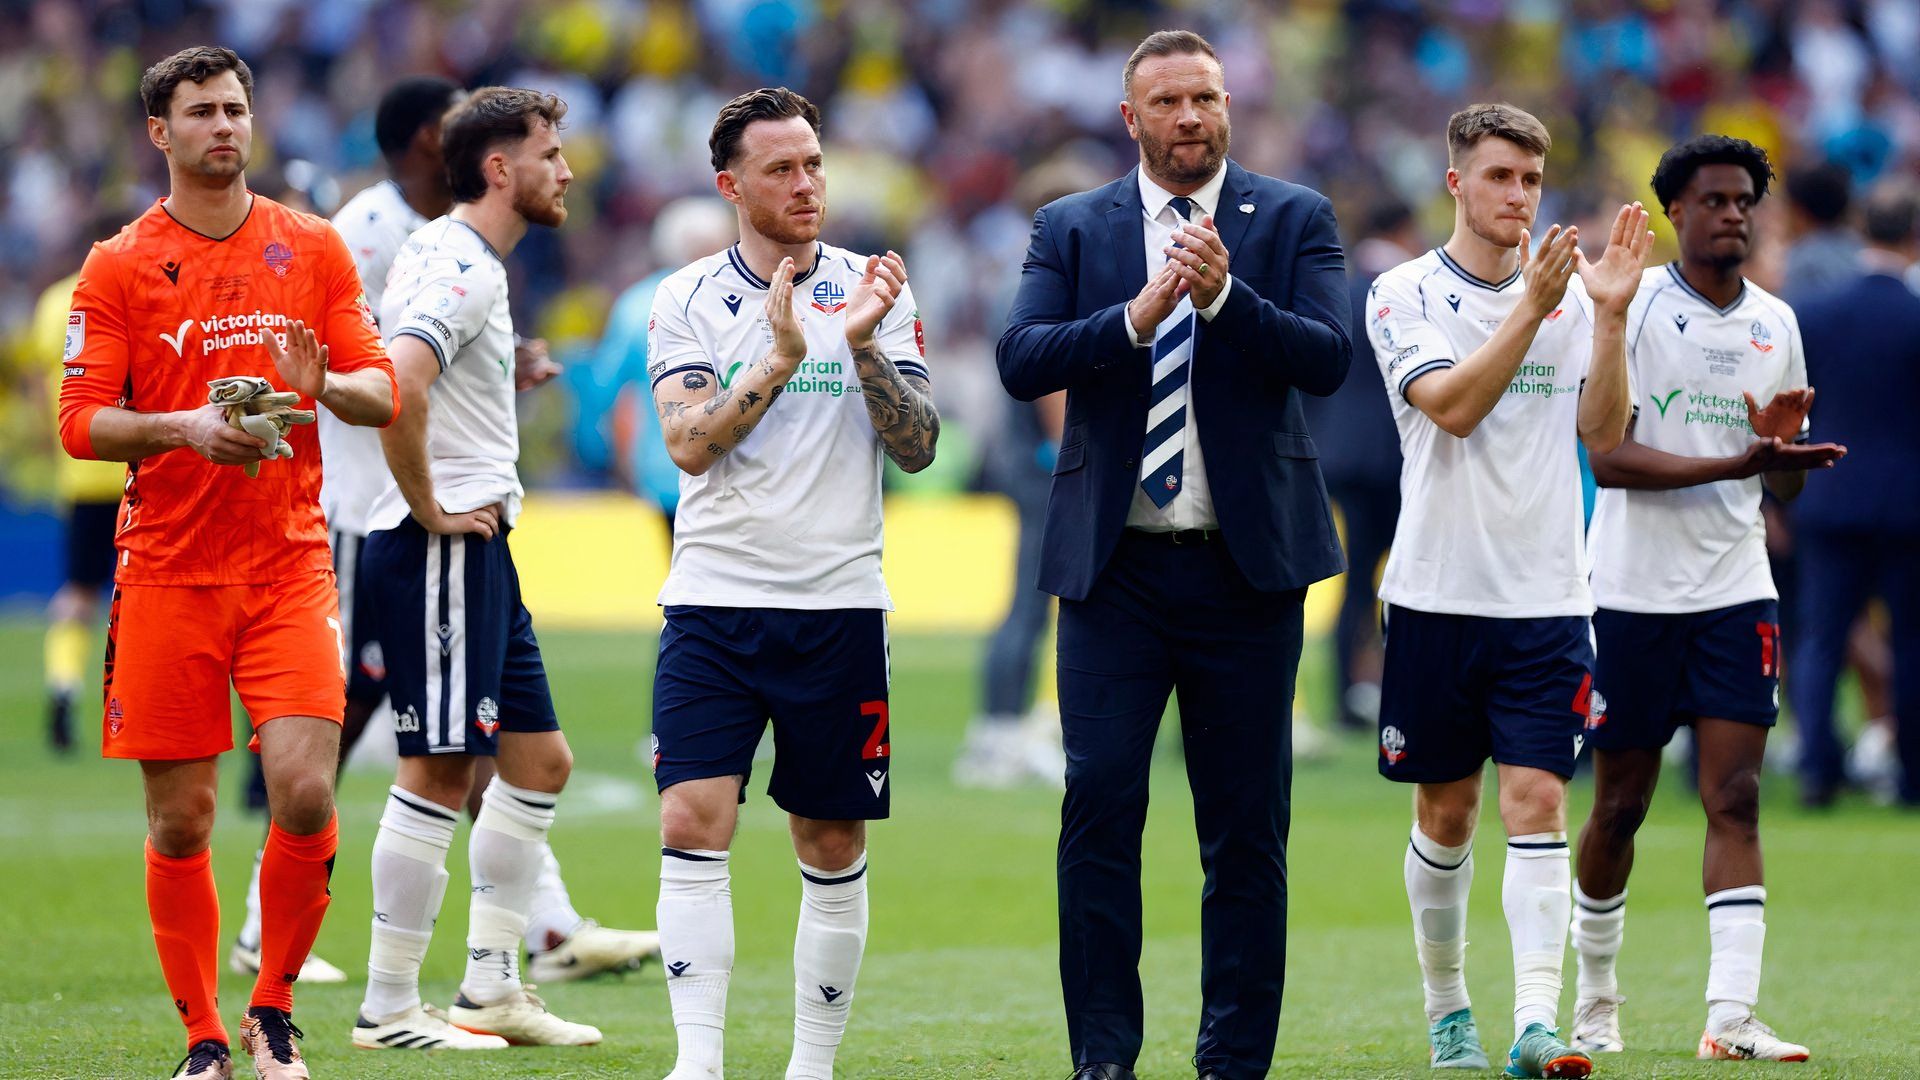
{"x":946,"y":123}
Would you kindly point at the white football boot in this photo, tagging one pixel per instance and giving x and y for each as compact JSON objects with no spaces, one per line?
{"x":423,"y":1027}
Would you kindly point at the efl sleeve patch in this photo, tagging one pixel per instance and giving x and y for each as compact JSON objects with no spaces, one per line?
{"x":76,"y":336}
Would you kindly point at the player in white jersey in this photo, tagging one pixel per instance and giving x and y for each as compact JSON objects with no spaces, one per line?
{"x":1688,"y":626}
{"x":785,"y":371}
{"x":1495,"y":359}
{"x":464,"y":671}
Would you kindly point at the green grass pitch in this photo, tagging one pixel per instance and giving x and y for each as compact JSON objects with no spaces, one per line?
{"x":960,"y":977}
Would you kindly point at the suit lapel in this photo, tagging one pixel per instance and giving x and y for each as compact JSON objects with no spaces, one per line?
{"x":1127,"y":228}
{"x":1228,"y":219}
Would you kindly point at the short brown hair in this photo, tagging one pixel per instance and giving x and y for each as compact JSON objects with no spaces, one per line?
{"x":766,"y":103}
{"x":1165,"y":43}
{"x":197,"y":65}
{"x":488,"y":117}
{"x":1467,"y":127}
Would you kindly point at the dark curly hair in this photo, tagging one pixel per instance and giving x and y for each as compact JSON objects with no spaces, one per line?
{"x":1678,"y":165}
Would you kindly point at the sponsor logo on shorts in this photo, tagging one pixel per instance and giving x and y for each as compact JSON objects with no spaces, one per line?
{"x":1393,"y":745}
{"x":487,"y":715}
{"x":655,"y":751}
{"x":1596,"y":714}
{"x":116,"y":720}
{"x":407,"y":721}
{"x":373,"y":661}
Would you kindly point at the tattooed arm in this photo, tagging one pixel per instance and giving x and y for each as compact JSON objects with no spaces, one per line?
{"x":900,"y":405}
{"x":702,"y":420}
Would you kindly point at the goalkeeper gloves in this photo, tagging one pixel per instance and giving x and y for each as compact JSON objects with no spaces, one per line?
{"x":253,"y":406}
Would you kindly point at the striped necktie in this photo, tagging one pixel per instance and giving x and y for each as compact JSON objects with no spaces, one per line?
{"x":1160,"y":458}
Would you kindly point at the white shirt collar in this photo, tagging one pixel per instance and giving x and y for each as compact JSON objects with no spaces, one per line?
{"x":1206,"y":200}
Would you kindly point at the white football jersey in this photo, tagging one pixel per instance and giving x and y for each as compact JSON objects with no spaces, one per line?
{"x":1490,"y":524}
{"x":1703,"y":547}
{"x":448,"y":288}
{"x":791,"y":517}
{"x":353,"y":470}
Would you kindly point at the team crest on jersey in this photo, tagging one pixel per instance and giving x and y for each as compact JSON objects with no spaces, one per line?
{"x":487,"y":716}
{"x":1762,"y":337}
{"x":1393,"y":745}
{"x":279,"y":258}
{"x":829,"y":297}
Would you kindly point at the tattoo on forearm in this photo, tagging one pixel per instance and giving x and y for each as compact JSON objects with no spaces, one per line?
{"x":901,"y":409}
{"x":740,"y":433}
{"x":716,"y":449}
{"x":748,"y":400}
{"x":718,"y":401}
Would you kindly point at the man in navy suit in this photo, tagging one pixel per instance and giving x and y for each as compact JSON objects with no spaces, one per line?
{"x":1183,"y":308}
{"x":1858,"y":531}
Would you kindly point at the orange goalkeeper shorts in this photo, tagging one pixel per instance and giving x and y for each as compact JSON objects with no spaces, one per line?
{"x":172,"y":650}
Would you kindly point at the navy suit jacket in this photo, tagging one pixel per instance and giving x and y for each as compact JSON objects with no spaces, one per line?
{"x":1283,"y":330}
{"x":1863,"y":362}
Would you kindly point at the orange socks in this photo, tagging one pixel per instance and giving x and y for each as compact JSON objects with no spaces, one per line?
{"x":185,"y":909}
{"x":294,"y":872}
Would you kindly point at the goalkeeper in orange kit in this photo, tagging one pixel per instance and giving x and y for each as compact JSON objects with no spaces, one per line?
{"x":222,"y":577}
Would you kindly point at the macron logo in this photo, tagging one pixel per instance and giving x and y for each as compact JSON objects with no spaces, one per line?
{"x":178,"y":339}
{"x":678,"y":968}
{"x":830,"y":993}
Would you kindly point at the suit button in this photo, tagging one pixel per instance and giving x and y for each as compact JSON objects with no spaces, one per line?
{"x":1132,"y":462}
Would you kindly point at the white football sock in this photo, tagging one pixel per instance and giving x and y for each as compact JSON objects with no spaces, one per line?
{"x":695,"y":919}
{"x":1438,"y":881}
{"x":503,"y":858}
{"x":827,"y":945}
{"x":1737,"y":926}
{"x":409,"y":882}
{"x":250,"y":930}
{"x":1598,"y":927}
{"x":1537,"y":896}
{"x":552,"y":918}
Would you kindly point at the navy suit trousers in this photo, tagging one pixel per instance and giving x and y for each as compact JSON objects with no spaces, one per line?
{"x":1160,"y":619}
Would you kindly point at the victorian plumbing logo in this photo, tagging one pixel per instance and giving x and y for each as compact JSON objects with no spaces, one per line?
{"x":227,"y":331}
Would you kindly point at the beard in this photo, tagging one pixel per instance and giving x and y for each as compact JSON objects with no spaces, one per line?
{"x":543,"y":208}
{"x":222,"y":168}
{"x":1162,"y":163}
{"x":777,"y":227}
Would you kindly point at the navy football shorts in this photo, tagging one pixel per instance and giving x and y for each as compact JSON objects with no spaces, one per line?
{"x":462,"y":661}
{"x":366,"y":662}
{"x":1459,"y":689}
{"x":1660,"y":672}
{"x":820,"y":676}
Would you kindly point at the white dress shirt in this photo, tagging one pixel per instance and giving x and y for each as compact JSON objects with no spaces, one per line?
{"x":1192,"y":506}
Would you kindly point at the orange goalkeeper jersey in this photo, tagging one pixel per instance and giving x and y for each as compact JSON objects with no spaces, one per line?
{"x":159,"y":312}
